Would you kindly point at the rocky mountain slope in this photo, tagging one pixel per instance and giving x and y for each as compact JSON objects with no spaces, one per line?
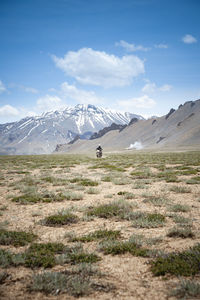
{"x":41,"y":134}
{"x":179,"y":129}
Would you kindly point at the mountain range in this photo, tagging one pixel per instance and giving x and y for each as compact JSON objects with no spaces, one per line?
{"x":41,"y":134}
{"x":177,"y":130}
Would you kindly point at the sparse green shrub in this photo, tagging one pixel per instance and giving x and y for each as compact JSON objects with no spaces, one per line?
{"x":116,"y":208}
{"x":156,"y":200}
{"x":147,"y":220}
{"x":179,"y":208}
{"x":181,"y":220}
{"x":142,"y":174}
{"x":126,"y":195}
{"x":49,"y":282}
{"x":92,"y":191}
{"x":63,"y":218}
{"x":72,"y":196}
{"x":96,"y":235}
{"x":180,"y":189}
{"x":16,"y":238}
{"x":42,"y":255}
{"x":186,"y":289}
{"x":120,"y":247}
{"x":27,"y":198}
{"x":106,"y":178}
{"x":182,"y":232}
{"x":84,"y":181}
{"x":5,"y":258}
{"x":194,"y":180}
{"x":37,"y":197}
{"x":76,"y":255}
{"x":184,"y":263}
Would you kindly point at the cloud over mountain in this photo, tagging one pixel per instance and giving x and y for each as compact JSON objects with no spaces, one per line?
{"x":98,"y":68}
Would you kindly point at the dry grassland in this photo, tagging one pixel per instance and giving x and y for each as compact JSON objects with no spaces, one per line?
{"x":121,"y":227}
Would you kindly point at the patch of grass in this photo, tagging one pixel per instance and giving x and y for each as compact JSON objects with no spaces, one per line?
{"x":147,"y":220}
{"x":156,"y":200}
{"x":121,"y":247}
{"x":120,"y":181}
{"x":141,"y":240}
{"x":62,"y":218}
{"x":84,"y":181}
{"x":8,"y":259}
{"x":42,"y":255}
{"x":77,"y":282}
{"x":96,"y":235}
{"x":54,"y":180}
{"x":92,"y":191}
{"x":116,"y":208}
{"x":142,"y":174}
{"x":181,"y":220}
{"x":184,"y":263}
{"x":186,"y":289}
{"x":5,"y":258}
{"x":72,"y":196}
{"x":180,"y":189}
{"x":106,"y":178}
{"x":16,"y":238}
{"x":194,"y":180}
{"x":37,"y":197}
{"x":76,"y":255}
{"x":179,"y":208}
{"x":182,"y":232}
{"x":126,"y":195}
{"x":108,"y":166}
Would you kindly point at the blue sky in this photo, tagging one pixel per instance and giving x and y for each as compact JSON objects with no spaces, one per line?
{"x":141,"y":56}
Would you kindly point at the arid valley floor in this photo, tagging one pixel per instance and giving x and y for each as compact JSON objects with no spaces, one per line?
{"x":122,"y":227}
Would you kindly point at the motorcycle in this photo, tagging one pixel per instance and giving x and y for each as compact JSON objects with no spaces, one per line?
{"x":99,"y":153}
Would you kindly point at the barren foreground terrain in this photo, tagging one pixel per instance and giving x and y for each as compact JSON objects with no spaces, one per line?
{"x":121,"y":227}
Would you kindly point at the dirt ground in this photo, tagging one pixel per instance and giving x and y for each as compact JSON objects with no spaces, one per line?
{"x":131,"y":276}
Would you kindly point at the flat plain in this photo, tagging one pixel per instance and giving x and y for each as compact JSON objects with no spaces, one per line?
{"x":125,"y":226}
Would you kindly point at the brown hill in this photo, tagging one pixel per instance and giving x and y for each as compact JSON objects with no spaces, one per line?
{"x":179,"y":129}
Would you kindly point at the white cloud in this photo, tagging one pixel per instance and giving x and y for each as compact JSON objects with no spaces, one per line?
{"x":151,"y":87}
{"x":161,"y":46}
{"x":131,"y":47}
{"x":49,"y":103}
{"x":98,"y":68}
{"x":8,"y":111}
{"x":189,"y":39}
{"x":165,"y":88}
{"x":2,"y":87}
{"x":141,"y":102}
{"x":79,"y":95}
{"x":23,"y":88}
{"x":29,"y":89}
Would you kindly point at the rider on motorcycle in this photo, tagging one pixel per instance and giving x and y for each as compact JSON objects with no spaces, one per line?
{"x":99,"y":151}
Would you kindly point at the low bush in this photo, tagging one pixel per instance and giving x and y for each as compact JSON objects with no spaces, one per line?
{"x":16,"y":238}
{"x":121,"y":247}
{"x":179,"y":208}
{"x":116,"y":208}
{"x":42,"y":255}
{"x":182,"y":232}
{"x":147,"y":220}
{"x":184,"y":263}
{"x":186,"y":289}
{"x":63,"y":218}
{"x":96,"y":235}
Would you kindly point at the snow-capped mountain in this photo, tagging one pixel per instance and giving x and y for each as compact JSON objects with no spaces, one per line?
{"x":41,"y":134}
